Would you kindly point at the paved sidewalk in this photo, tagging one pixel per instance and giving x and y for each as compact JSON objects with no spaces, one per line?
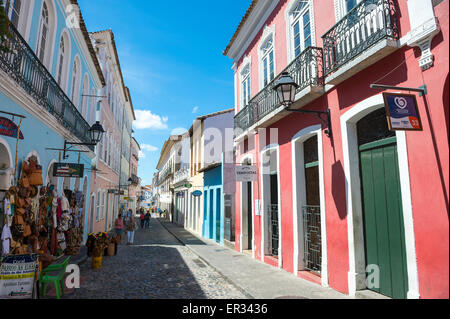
{"x":254,"y":278}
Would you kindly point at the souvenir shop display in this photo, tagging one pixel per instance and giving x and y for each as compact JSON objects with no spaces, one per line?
{"x":97,"y":245}
{"x":35,"y":219}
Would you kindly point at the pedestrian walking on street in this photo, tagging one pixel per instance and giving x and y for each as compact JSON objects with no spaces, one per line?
{"x":119,"y":227}
{"x":142,"y":217}
{"x":131,"y":227}
{"x":147,"y":220}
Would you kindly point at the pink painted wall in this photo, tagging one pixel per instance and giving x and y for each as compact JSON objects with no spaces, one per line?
{"x":428,"y":151}
{"x":108,"y":179}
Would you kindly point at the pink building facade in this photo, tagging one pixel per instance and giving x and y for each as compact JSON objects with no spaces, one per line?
{"x":344,"y":203}
{"x":104,"y":196}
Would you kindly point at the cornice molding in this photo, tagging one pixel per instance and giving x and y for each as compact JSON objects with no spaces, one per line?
{"x":250,"y":29}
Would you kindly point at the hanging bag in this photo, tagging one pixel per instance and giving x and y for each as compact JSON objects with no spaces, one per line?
{"x":35,"y":177}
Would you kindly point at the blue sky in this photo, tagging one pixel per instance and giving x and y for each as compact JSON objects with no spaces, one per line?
{"x":171,"y":58}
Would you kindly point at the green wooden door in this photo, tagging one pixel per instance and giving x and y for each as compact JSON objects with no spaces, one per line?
{"x":383,"y":216}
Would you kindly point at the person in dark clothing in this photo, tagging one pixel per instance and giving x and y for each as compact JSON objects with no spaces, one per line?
{"x":142,"y":217}
{"x":147,"y":220}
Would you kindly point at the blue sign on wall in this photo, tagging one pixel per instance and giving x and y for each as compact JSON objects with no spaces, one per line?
{"x":402,"y":112}
{"x":197,"y":193}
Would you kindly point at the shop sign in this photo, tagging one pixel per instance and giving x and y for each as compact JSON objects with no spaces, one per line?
{"x":68,"y":170}
{"x":17,"y":276}
{"x":180,"y":194}
{"x":197,"y":193}
{"x":246,"y":173}
{"x":9,"y":128}
{"x":188,"y":185}
{"x":402,"y":112}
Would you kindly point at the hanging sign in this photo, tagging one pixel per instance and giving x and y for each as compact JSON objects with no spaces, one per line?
{"x":188,"y":185}
{"x":17,"y":276}
{"x":68,"y":170}
{"x":197,"y":193}
{"x":246,"y":173}
{"x":9,"y":128}
{"x":402,"y":112}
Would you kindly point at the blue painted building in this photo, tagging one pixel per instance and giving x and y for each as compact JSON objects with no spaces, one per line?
{"x":49,"y":76}
{"x":213,"y":210}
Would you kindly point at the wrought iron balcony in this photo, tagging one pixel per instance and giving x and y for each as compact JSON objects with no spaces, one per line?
{"x":181,"y":175}
{"x":365,"y":25}
{"x":306,"y":70}
{"x":23,"y":66}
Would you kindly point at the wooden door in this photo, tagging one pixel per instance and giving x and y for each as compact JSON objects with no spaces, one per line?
{"x":382,"y":206}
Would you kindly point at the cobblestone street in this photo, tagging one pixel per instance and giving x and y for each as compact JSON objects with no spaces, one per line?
{"x":157,"y":266}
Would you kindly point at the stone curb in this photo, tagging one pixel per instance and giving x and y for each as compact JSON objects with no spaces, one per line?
{"x":229,"y":280}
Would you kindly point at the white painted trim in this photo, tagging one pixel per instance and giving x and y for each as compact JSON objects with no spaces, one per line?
{"x":53,"y":25}
{"x":267,"y":33}
{"x":67,"y":60}
{"x":289,"y":38}
{"x":266,"y":149}
{"x":29,"y":21}
{"x":300,"y":137}
{"x":356,"y":275}
{"x":47,"y":176}
{"x":5,"y":143}
{"x":247,"y":62}
{"x":81,"y":43}
{"x":35,"y":153}
{"x":251,"y":28}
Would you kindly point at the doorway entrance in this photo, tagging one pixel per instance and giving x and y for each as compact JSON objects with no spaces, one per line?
{"x":311,"y":211}
{"x":384,"y":235}
{"x":247,"y":214}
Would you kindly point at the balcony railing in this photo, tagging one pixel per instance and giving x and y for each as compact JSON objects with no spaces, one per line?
{"x":365,"y":25}
{"x":181,"y":175}
{"x":23,"y":66}
{"x":306,"y":70}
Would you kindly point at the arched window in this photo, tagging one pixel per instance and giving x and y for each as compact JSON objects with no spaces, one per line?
{"x":245,"y":85}
{"x":85,"y":98}
{"x":43,"y":32}
{"x":13,"y":11}
{"x":267,"y":59}
{"x":75,"y":91}
{"x":62,"y":58}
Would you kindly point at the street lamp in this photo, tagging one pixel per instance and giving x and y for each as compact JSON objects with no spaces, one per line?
{"x":286,"y":88}
{"x":96,"y":133}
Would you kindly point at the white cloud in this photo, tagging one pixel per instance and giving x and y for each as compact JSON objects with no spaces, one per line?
{"x":149,"y":148}
{"x":178,"y":131}
{"x":148,"y":120}
{"x":141,"y":154}
{"x":195,"y":109}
